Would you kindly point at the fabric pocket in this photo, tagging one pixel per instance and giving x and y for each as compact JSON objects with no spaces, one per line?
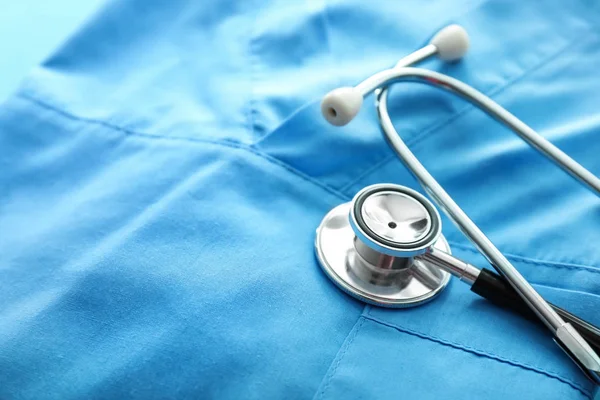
{"x":385,"y":361}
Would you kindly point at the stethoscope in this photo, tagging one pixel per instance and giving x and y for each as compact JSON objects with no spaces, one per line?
{"x":385,"y":247}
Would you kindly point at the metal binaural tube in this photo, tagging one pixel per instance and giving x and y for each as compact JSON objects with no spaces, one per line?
{"x":401,"y":74}
{"x":373,"y":82}
{"x":456,"y":214}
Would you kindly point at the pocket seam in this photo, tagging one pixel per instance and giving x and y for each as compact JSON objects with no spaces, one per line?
{"x":533,"y":261}
{"x":340,"y":356}
{"x":480,"y":353}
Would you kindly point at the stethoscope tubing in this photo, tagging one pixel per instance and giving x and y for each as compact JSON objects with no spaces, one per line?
{"x":468,"y":93}
{"x":564,"y":333}
{"x":449,"y":206}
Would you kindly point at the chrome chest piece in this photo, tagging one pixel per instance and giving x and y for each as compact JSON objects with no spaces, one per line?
{"x":369,"y":247}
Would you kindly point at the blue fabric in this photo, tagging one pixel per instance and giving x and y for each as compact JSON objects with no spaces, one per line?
{"x":53,"y":21}
{"x":163,"y":173}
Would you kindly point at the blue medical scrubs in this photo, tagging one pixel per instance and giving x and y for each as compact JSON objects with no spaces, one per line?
{"x":162,"y":175}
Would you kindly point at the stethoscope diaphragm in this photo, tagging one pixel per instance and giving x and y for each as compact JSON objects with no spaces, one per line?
{"x":367,"y":247}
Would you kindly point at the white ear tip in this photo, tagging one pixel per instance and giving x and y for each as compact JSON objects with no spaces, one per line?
{"x":341,"y":105}
{"x":452,"y":42}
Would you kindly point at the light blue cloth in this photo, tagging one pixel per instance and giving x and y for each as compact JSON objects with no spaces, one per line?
{"x":32,"y":29}
{"x":162,"y":176}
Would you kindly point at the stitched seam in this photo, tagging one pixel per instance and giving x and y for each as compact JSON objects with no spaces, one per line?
{"x":327,"y":30}
{"x":340,"y":356}
{"x":437,"y":126}
{"x":290,"y":117}
{"x":224,"y":143}
{"x":570,"y":291}
{"x":527,"y":260}
{"x":326,"y":24}
{"x":591,"y":23}
{"x":251,"y":104}
{"x":237,"y":145}
{"x":481,"y":353}
{"x":113,"y":127}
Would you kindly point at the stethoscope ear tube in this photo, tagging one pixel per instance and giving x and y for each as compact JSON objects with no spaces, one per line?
{"x":494,"y":288}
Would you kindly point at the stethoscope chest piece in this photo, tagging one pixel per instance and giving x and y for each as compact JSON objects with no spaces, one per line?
{"x":369,"y":247}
